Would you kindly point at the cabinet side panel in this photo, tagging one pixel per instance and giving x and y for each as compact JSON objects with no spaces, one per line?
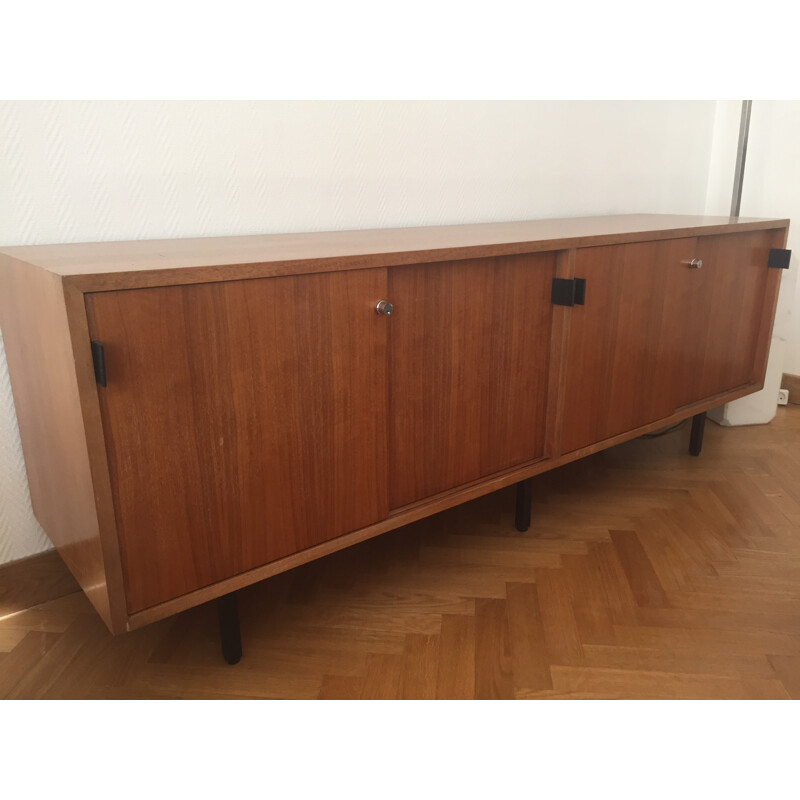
{"x":41,"y":365}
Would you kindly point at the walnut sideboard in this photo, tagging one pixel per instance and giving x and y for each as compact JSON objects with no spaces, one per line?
{"x":199,"y":414}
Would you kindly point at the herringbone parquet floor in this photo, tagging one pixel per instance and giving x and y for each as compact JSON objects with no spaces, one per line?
{"x":646,"y":574}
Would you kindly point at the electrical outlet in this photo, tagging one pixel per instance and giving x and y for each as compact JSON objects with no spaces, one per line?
{"x":783,"y":397}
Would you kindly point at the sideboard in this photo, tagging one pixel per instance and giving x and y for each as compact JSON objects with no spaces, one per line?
{"x":200,"y":414}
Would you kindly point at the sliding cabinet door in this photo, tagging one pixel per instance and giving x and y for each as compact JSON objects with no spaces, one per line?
{"x":720,"y":310}
{"x":625,"y":341}
{"x":244,"y":421}
{"x":469,"y":352}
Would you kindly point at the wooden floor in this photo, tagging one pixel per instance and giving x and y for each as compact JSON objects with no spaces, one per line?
{"x":646,"y":574}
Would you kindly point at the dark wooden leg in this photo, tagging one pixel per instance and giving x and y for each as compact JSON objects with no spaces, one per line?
{"x":229,"y":633}
{"x":696,"y":439}
{"x":524,"y":497}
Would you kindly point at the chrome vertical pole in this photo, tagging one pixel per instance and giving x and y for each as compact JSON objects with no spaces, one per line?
{"x":741,"y":155}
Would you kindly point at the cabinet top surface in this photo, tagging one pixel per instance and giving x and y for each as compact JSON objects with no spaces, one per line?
{"x":148,"y":262}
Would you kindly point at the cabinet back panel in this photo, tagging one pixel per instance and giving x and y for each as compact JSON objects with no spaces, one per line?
{"x":244,"y":421}
{"x":469,"y":348}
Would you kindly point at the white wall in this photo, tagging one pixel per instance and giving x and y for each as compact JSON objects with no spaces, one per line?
{"x":89,"y":171}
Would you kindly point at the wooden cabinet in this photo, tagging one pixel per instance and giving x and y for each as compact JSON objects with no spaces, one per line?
{"x":198,"y":415}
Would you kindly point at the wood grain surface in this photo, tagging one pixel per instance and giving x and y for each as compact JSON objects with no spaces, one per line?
{"x":468,"y":367}
{"x":415,"y":511}
{"x":100,"y":266}
{"x":645,"y":574}
{"x":244,"y":422}
{"x":656,"y":335}
{"x":250,"y":426}
{"x":47,"y":397}
{"x":557,"y":373}
{"x":721,"y":308}
{"x":792,"y":385}
{"x":621,"y":362}
{"x":31,"y":581}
